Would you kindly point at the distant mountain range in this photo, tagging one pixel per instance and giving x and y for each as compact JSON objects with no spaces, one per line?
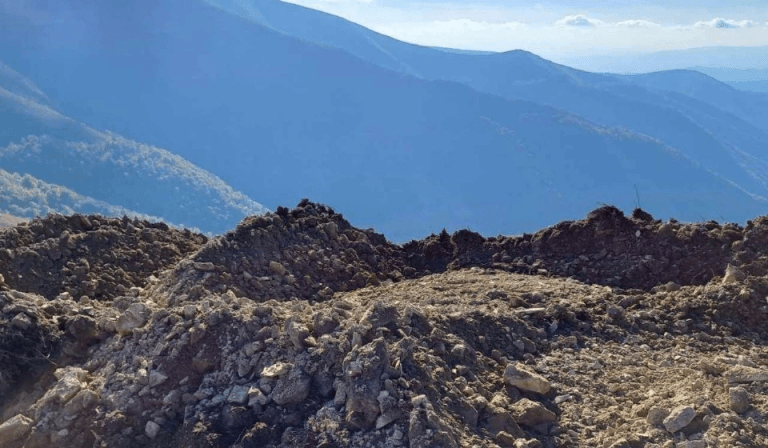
{"x":745,"y":68}
{"x":283,"y":102}
{"x":62,"y":158}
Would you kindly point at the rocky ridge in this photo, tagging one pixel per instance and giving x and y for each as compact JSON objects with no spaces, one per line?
{"x":298,"y":329}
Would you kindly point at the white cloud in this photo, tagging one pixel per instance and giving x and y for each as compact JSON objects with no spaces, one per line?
{"x":724,"y":23}
{"x":638,"y":24}
{"x":578,"y":20}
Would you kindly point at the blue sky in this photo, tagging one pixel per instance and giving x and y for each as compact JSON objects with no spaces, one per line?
{"x":561,"y":28}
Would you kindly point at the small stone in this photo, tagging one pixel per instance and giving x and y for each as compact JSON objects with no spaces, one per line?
{"x":256,"y":397}
{"x":134,"y":317}
{"x":692,"y":444}
{"x":527,"y":443}
{"x":739,"y":399}
{"x":530,"y":413}
{"x":238,"y":395}
{"x":518,"y":376}
{"x":656,"y":415}
{"x":505,"y":439}
{"x":21,"y":321}
{"x":732,"y":274}
{"x":277,"y":268}
{"x":151,"y":429}
{"x":15,"y":428}
{"x":679,"y":418}
{"x":292,"y":389}
{"x":190,"y":311}
{"x":744,"y":374}
{"x":204,"y":266}
{"x":297,"y":333}
{"x":156,"y":378}
{"x":276,"y":370}
{"x":142,"y":377}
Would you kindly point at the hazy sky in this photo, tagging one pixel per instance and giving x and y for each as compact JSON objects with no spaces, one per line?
{"x":558,"y":28}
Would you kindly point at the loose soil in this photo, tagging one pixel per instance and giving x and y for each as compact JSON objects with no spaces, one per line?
{"x":298,"y":329}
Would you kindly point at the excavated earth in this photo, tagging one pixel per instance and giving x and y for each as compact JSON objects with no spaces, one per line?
{"x":298,"y":330}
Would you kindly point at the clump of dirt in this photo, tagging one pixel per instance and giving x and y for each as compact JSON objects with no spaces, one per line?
{"x":297,"y":329}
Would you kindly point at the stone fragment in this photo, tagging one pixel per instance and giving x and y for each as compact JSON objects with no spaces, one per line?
{"x":505,"y":439}
{"x":692,"y":444}
{"x":190,"y":311}
{"x":656,"y":415}
{"x":744,"y":374}
{"x":331,"y":229}
{"x":21,"y":321}
{"x":297,"y":333}
{"x":732,"y":274}
{"x":156,"y":378}
{"x":527,"y":443}
{"x":151,"y":429}
{"x":81,"y":401}
{"x":134,"y":317}
{"x":204,"y":266}
{"x":324,"y":323}
{"x":276,"y":370}
{"x":69,"y":384}
{"x":256,"y":397}
{"x":518,"y":376}
{"x":679,"y":418}
{"x":292,"y":389}
{"x":277,"y":268}
{"x":530,"y":413}
{"x":14,"y":429}
{"x":739,"y":399}
{"x":380,"y":314}
{"x":238,"y":395}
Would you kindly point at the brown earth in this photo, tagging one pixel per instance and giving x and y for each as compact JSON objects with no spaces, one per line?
{"x":297,"y":329}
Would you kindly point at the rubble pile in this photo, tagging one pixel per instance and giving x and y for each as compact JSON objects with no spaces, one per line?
{"x":297,"y":329}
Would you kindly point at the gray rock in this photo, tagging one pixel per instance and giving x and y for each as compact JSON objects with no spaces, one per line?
{"x":297,"y":333}
{"x":292,"y":389}
{"x":679,"y":418}
{"x":692,"y":444}
{"x":204,"y":266}
{"x":530,"y":413}
{"x":15,"y":428}
{"x":134,"y":317}
{"x":238,"y":395}
{"x":277,"y":268}
{"x":151,"y":429}
{"x":744,"y":374}
{"x":739,"y":399}
{"x":732,"y":274}
{"x":505,"y":439}
{"x":256,"y":397}
{"x":518,"y":376}
{"x":21,"y":321}
{"x":190,"y":311}
{"x":656,"y":415}
{"x":156,"y":378}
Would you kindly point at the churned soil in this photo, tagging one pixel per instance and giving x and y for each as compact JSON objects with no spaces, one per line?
{"x":298,"y":329}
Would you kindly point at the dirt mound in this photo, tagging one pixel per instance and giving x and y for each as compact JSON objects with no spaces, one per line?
{"x":89,"y":256}
{"x":297,"y":329}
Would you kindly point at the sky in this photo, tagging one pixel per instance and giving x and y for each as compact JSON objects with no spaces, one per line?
{"x":561,"y":28}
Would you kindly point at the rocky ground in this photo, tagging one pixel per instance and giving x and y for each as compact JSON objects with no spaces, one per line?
{"x":297,"y":329}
